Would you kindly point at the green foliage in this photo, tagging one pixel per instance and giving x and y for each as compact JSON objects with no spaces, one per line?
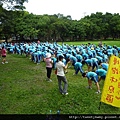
{"x":23,"y":25}
{"x":13,"y":4}
{"x":24,"y":90}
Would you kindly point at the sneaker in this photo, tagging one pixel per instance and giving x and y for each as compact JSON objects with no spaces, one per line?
{"x":88,"y":87}
{"x":2,"y":62}
{"x":6,"y":62}
{"x":74,"y":74}
{"x":65,"y":93}
{"x":49,"y":80}
{"x":66,"y":72}
{"x":98,"y":92}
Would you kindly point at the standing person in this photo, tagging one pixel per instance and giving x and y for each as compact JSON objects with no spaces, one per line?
{"x":49,"y":63}
{"x":60,"y":67}
{"x":4,"y":54}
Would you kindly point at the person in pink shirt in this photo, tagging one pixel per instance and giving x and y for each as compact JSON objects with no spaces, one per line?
{"x":4,"y":54}
{"x":49,"y":63}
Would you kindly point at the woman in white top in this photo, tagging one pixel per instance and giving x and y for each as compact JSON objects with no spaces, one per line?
{"x":60,"y":66}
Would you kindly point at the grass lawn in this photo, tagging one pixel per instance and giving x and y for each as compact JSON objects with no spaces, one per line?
{"x":24,"y":90}
{"x":117,"y":43}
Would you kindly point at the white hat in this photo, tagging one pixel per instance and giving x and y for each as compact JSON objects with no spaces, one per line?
{"x":77,"y":49}
{"x":92,"y":48}
{"x":48,"y":55}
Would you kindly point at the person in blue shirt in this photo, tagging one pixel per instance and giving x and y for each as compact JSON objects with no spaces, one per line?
{"x":79,"y":58}
{"x":54,"y":61}
{"x":95,"y":63}
{"x":104,"y":66}
{"x":93,"y":51}
{"x":85,"y":56}
{"x":115,"y":52}
{"x":99,"y":53}
{"x":90,"y":54}
{"x":105,"y":57}
{"x":35,"y":57}
{"x":101,"y":73}
{"x":92,"y":76}
{"x":73,"y":60}
{"x":78,"y":67}
{"x":21,"y":49}
{"x":100,"y":59}
{"x":39,"y":57}
{"x":89,"y":64}
{"x":109,"y":52}
{"x":118,"y":48}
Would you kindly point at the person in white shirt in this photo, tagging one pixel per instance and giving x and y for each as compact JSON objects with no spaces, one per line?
{"x":61,"y":67}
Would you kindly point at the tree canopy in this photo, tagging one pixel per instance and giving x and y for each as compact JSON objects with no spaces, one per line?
{"x":13,"y":4}
{"x":22,"y":25}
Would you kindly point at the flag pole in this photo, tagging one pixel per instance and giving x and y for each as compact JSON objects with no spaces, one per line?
{"x":99,"y":105}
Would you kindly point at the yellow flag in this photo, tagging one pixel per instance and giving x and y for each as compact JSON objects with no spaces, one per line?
{"x":111,"y":89}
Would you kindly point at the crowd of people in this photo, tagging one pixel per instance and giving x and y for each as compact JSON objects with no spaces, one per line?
{"x":61,"y":57}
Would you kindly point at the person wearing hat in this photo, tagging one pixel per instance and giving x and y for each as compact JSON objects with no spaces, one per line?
{"x":49,"y":65}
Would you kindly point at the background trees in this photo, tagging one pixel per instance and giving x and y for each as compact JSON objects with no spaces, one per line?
{"x":13,"y":4}
{"x":22,"y":25}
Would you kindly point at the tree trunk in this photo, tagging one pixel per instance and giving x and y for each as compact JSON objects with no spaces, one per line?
{"x":6,"y":39}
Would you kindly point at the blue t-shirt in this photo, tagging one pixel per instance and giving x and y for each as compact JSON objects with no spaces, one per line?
{"x":79,"y":57}
{"x":73,"y":59}
{"x":100,"y":54}
{"x":101,"y":72}
{"x":99,"y":58}
{"x":89,"y":62}
{"x":105,"y":66}
{"x":92,"y":76}
{"x":85,"y":55}
{"x":77,"y":65}
{"x":94,"y":60}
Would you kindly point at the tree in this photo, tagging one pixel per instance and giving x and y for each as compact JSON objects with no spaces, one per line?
{"x":13,"y":4}
{"x":115,"y":26}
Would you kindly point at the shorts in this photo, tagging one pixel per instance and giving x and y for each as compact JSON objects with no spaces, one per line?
{"x":103,"y":77}
{"x":3,"y":56}
{"x":95,"y":79}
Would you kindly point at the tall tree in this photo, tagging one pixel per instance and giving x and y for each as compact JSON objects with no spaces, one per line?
{"x":13,"y":4}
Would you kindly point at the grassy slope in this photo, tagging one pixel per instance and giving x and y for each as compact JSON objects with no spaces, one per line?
{"x":23,"y":90}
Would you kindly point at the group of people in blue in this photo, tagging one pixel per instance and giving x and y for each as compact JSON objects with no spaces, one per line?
{"x":95,"y":57}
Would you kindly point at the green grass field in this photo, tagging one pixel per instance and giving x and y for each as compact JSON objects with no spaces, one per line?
{"x":117,"y":43}
{"x":24,"y":90}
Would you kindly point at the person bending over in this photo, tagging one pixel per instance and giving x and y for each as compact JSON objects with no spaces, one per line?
{"x":92,"y":76}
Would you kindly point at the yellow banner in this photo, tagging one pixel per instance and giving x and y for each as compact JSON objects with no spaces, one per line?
{"x":111,"y":89}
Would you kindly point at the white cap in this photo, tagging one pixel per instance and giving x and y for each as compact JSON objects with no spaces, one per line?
{"x":48,"y":55}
